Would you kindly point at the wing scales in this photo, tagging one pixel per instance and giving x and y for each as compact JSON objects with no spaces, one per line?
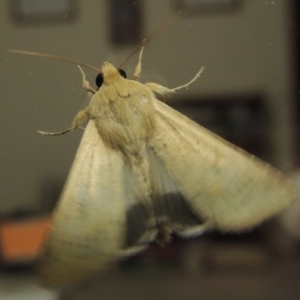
{"x":221,"y":183}
{"x":171,"y":206}
{"x":197,"y":181}
{"x":90,"y":223}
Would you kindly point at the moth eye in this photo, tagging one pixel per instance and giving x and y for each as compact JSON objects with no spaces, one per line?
{"x":122,"y":73}
{"x":99,"y":80}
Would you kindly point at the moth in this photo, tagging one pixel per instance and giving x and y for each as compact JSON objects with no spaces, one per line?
{"x":144,"y":171}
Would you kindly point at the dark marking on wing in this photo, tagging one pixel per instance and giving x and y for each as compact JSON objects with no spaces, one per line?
{"x":174,"y":206}
{"x":138,"y":218}
{"x":172,"y":214}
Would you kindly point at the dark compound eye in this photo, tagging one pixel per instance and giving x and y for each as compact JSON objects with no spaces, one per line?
{"x":99,"y":80}
{"x":122,"y":73}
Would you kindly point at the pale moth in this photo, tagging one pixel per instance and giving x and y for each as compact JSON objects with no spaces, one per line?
{"x":143,"y":171}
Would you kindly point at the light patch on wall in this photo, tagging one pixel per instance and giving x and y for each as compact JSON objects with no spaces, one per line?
{"x":205,"y":6}
{"x":37,"y":11}
{"x":42,"y":7}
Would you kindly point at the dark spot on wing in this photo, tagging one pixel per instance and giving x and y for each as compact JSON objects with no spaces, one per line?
{"x":137,"y":218}
{"x":174,"y":206}
{"x":172,"y":213}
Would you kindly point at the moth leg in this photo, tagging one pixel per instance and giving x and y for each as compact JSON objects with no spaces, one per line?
{"x":138,"y":68}
{"x":194,"y":231}
{"x":75,"y":123}
{"x":159,"y":89}
{"x":85,"y":83}
{"x":54,"y":133}
{"x":80,"y":117}
{"x":164,"y":91}
{"x":190,"y":82}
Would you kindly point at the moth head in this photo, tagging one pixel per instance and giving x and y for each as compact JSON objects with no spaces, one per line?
{"x":109,"y":74}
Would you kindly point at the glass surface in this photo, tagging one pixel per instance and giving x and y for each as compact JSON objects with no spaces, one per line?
{"x":248,"y":94}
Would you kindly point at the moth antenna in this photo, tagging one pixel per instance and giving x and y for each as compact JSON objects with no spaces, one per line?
{"x":72,"y":61}
{"x":171,"y":20}
{"x":135,"y":50}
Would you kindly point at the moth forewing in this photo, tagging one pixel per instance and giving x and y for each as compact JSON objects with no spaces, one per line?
{"x":222,"y":184}
{"x":89,"y":222}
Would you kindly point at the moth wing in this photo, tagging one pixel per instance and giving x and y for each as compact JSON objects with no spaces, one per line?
{"x":90,"y":223}
{"x":223,"y":186}
{"x":140,"y":216}
{"x":173,"y":212}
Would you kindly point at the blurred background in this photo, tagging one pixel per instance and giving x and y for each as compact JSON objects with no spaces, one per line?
{"x":249,"y":94}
